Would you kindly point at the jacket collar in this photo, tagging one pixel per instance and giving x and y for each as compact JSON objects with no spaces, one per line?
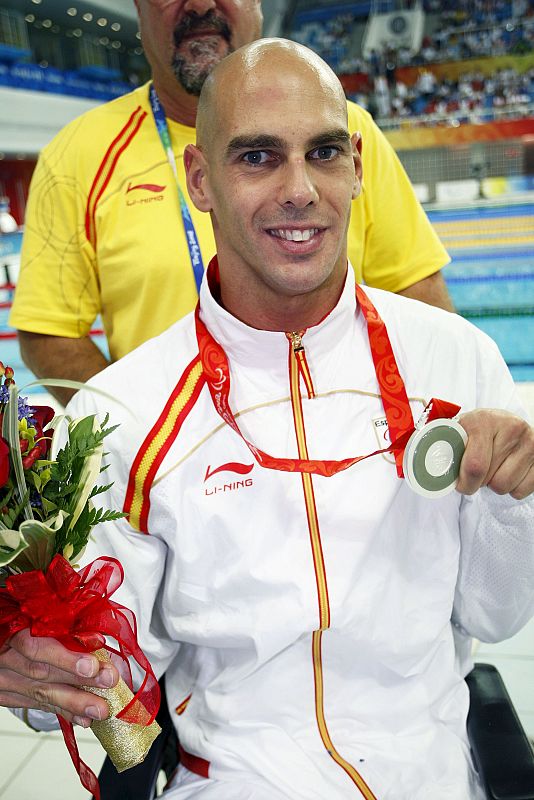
{"x":268,"y":349}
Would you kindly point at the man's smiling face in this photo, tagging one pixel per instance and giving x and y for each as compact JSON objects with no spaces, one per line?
{"x":280,"y":174}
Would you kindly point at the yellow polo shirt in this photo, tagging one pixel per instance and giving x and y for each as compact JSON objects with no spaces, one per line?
{"x":104,"y":233}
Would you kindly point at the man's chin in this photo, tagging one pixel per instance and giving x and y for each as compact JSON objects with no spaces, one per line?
{"x":192,"y":65}
{"x":202,"y":46}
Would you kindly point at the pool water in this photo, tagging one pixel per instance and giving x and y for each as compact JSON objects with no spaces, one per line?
{"x":491,"y":275}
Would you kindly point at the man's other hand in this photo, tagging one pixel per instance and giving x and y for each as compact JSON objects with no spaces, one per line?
{"x":499,"y":454}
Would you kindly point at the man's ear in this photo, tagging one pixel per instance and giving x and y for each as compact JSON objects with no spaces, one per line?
{"x":356,"y":141}
{"x":196,"y":175}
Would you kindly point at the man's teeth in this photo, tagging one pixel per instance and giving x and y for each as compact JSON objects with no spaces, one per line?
{"x":296,"y":235}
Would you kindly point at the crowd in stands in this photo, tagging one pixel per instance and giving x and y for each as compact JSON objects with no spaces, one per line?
{"x":507,"y":29}
{"x":331,"y":38}
{"x":474,"y":97}
{"x":463,"y":29}
{"x":468,"y":29}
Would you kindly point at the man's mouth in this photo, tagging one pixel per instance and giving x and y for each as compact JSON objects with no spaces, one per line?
{"x":193,"y":26}
{"x":197,"y":32}
{"x":294,"y":234}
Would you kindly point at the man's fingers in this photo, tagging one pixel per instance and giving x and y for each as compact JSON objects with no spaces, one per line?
{"x":73,"y":704}
{"x":49,"y":651}
{"x":499,"y":454}
{"x":40,"y":673}
{"x":45,"y":659}
{"x":477,"y":459}
{"x":518,"y":482}
{"x":14,"y":661}
{"x":513,"y":460}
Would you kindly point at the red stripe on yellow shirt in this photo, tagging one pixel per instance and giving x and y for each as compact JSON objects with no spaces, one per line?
{"x":107,"y":167}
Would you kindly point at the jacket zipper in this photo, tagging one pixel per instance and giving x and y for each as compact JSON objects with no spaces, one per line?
{"x":298,"y":369}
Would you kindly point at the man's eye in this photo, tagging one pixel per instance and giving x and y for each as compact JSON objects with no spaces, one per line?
{"x":325,"y":153}
{"x":255,"y":157}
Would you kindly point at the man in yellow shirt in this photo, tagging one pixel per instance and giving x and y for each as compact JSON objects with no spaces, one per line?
{"x":109,"y":230}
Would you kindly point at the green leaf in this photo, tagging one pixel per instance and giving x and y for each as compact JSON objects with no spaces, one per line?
{"x":41,"y":542}
{"x":10,"y":432}
{"x":11,"y":517}
{"x":12,"y":543}
{"x":48,"y":505}
{"x":91,"y":466}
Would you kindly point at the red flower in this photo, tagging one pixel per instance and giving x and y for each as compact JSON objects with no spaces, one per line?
{"x":42,"y":416}
{"x":8,"y":376}
{"x":39,"y":450}
{"x":4,"y":462}
{"x":29,"y":460}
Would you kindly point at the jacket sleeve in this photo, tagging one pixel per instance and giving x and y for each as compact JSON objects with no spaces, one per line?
{"x":495,"y":588}
{"x":142,"y":556}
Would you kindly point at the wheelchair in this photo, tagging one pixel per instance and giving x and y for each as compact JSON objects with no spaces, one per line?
{"x":502,"y":753}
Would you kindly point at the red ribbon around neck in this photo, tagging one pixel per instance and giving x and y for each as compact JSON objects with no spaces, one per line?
{"x":392,"y":392}
{"x":75,"y":608}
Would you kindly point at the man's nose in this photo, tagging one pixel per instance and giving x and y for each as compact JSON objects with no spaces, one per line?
{"x":200,"y":7}
{"x":298,"y":187}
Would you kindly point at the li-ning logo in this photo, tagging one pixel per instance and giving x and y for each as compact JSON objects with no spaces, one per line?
{"x":231,"y":486}
{"x":154,"y":188}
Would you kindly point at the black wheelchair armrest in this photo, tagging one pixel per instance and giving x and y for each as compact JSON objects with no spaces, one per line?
{"x":501,"y":750}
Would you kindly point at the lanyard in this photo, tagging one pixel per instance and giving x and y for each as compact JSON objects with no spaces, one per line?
{"x":392,"y":392}
{"x":158,"y":112}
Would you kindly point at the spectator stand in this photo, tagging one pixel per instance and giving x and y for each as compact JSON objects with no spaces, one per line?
{"x":95,"y":72}
{"x":454,"y":74}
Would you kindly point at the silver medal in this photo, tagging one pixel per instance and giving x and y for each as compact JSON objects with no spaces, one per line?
{"x":432,"y":457}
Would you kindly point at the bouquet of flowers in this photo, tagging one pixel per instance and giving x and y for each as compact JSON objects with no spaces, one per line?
{"x":46,"y":517}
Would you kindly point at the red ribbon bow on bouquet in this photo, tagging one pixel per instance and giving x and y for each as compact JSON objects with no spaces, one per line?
{"x":75,"y":608}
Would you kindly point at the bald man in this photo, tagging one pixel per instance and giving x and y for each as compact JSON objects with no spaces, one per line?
{"x":302,"y":604}
{"x":109,"y":229}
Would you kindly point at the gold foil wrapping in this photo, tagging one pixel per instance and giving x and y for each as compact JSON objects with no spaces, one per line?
{"x":126,"y":743}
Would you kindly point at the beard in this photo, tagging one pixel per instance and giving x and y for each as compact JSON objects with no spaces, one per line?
{"x":194,"y":59}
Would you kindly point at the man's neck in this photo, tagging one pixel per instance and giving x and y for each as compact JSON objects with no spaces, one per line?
{"x":178,"y":104}
{"x":286,"y":314}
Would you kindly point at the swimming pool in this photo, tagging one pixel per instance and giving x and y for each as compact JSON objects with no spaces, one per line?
{"x":491,"y":275}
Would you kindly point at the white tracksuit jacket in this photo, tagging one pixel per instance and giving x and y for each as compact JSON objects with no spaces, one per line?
{"x":236,"y":575}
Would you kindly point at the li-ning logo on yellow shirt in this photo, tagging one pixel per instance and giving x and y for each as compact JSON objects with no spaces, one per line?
{"x":154,"y":188}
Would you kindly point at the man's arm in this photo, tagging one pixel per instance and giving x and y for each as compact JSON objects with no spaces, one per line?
{"x":57,"y":297}
{"x":61,"y":357}
{"x":495,"y":589}
{"x":432,"y":290}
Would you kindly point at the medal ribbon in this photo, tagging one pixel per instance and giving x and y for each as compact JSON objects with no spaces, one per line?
{"x":392,"y":392}
{"x":195,"y":256}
